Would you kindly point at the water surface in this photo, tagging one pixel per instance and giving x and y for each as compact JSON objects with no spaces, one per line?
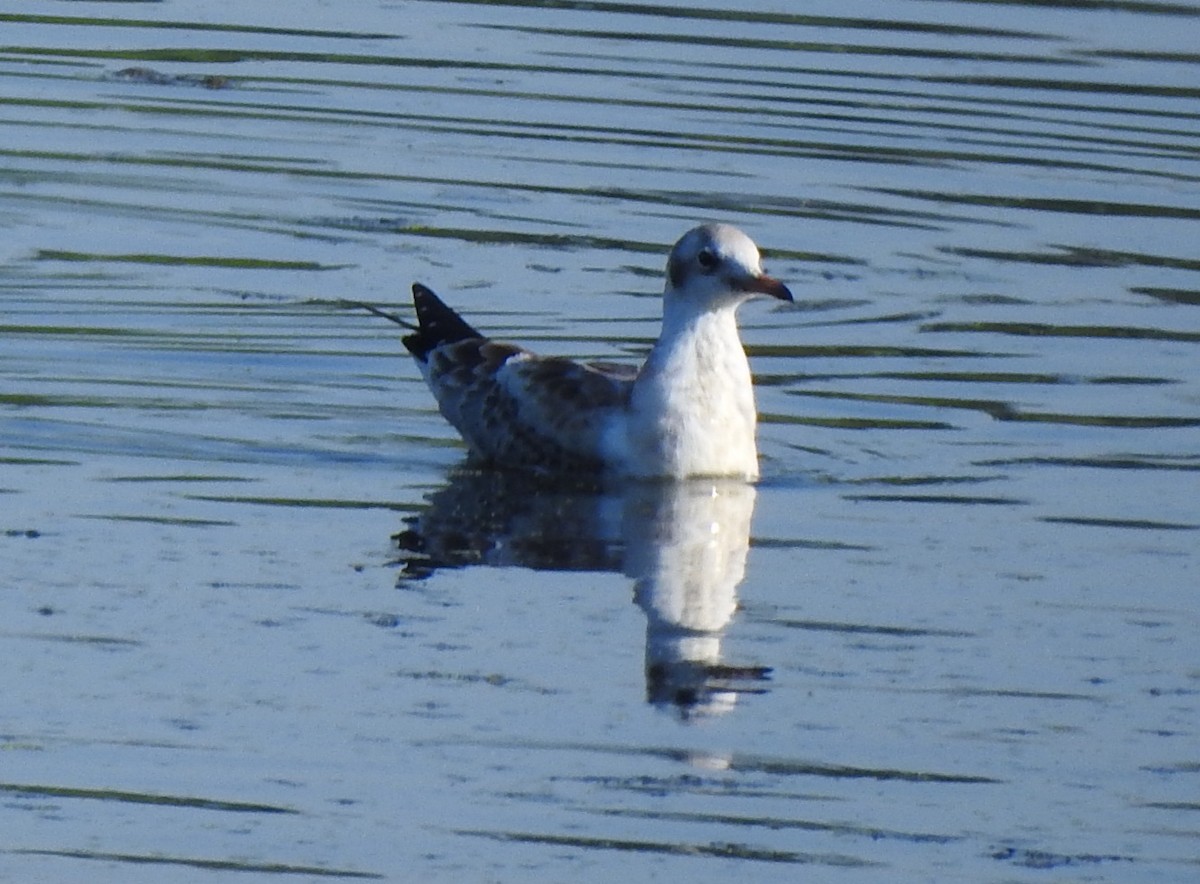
{"x":261,"y":618}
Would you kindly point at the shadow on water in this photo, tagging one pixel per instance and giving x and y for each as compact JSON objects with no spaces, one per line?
{"x":683,"y":544}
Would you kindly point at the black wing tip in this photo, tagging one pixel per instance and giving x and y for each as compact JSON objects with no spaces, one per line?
{"x":439,"y":324}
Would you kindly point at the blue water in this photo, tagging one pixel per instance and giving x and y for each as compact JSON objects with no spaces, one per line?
{"x":260,"y":617}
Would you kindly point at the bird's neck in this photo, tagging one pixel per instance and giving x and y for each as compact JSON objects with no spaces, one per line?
{"x":697,"y":345}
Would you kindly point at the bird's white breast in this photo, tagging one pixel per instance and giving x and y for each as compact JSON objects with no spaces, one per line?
{"x":692,"y":411}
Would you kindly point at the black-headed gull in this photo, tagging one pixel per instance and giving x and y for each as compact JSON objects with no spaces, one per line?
{"x":689,"y":411}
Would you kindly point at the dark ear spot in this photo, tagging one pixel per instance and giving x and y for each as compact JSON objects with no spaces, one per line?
{"x":676,"y":271}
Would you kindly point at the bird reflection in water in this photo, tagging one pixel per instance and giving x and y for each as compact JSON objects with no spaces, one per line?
{"x":684,"y":544}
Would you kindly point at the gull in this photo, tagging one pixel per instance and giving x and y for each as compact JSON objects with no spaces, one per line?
{"x":687,"y":412}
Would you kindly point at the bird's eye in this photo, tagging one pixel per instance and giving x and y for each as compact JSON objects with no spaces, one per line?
{"x":708,"y":260}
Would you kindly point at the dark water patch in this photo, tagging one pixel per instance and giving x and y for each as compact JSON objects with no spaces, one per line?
{"x":991,"y":300}
{"x":919,"y":481}
{"x":223,"y":56}
{"x":1086,"y":87}
{"x":263,"y":585}
{"x":864,"y":351}
{"x":176,"y":521}
{"x":172,"y":214}
{"x":97,"y":438}
{"x":1044,"y":859}
{"x":952,"y":499}
{"x":189,"y":26}
{"x":194,"y":161}
{"x":37,"y":400}
{"x":1138,"y":7}
{"x":1128,"y":381}
{"x":212,"y":865}
{"x":9,"y":460}
{"x":711,"y":849}
{"x":945,"y":377}
{"x":865,"y":629}
{"x":492,"y":236}
{"x":810,"y":209}
{"x":382,"y":619}
{"x":798,"y":543}
{"x":575,"y":241}
{"x":747,"y":43}
{"x":711,"y":203}
{"x":1182,"y":767}
{"x":1001,"y":411}
{"x":1135,"y":524}
{"x":1038,"y":123}
{"x":751,"y":16}
{"x":491,"y":679}
{"x":76,"y":331}
{"x":1190,"y":806}
{"x":1017,"y":694}
{"x":178,"y":478}
{"x":775,"y":823}
{"x":1190,"y":58}
{"x":1078,"y":256}
{"x":100,"y":641}
{"x":307,"y":502}
{"x":184,"y":260}
{"x":1104,"y":208}
{"x":1047,"y":330}
{"x":994,"y":408}
{"x":121,"y":797}
{"x":1116,"y":421}
{"x":152,"y":77}
{"x":1190,"y":297}
{"x":853,"y":423}
{"x":1105,"y":462}
{"x":885,"y":319}
{"x":793,"y":208}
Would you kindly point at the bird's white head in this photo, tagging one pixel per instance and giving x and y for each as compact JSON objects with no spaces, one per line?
{"x":715,"y":266}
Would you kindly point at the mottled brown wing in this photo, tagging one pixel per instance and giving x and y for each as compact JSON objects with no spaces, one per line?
{"x":518,"y":409}
{"x":510,"y":405}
